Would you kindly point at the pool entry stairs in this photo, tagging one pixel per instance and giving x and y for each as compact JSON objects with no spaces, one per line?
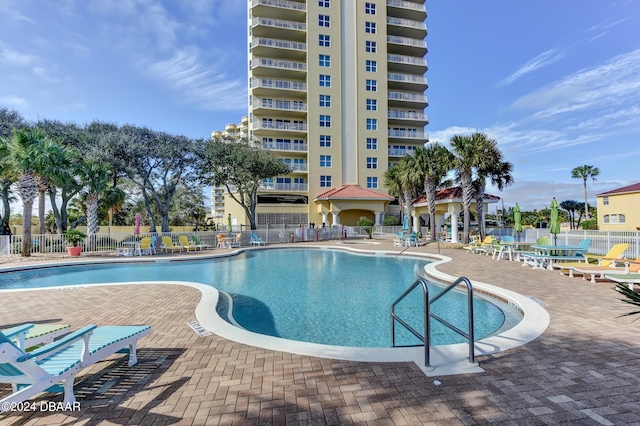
{"x":425,"y":338}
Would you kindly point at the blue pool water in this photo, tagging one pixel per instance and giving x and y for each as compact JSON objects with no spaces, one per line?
{"x":320,"y":296}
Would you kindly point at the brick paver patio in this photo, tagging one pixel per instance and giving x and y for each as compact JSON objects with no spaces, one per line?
{"x":585,"y":369}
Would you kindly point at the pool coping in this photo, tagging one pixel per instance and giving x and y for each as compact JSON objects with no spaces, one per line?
{"x":445,"y":360}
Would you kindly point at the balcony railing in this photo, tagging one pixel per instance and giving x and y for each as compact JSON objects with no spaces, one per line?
{"x":285,"y":146}
{"x":407,"y":96}
{"x":300,"y":127}
{"x":407,"y":23}
{"x":407,"y":134}
{"x":412,"y":60}
{"x":395,"y":152}
{"x":280,"y":3}
{"x":286,"y":187}
{"x":279,"y":23}
{"x":279,"y":84}
{"x":281,"y":44}
{"x":283,"y":65}
{"x":280,"y":104}
{"x":407,"y":115}
{"x":406,"y":41}
{"x":406,"y":78}
{"x":407,"y":5}
{"x":299,"y":167}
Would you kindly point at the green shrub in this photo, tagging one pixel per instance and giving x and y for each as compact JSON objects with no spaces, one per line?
{"x":367,"y":225}
{"x":589,"y":224}
{"x":391,"y":221}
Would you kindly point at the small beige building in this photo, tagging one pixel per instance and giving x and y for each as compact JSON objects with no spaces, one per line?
{"x":619,"y":209}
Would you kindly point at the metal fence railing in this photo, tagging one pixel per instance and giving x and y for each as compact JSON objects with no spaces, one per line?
{"x":601,"y":241}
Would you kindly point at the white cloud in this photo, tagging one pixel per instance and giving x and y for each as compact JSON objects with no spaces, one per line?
{"x":209,"y":86}
{"x":542,"y":60}
{"x":14,"y":101}
{"x":610,"y":84}
{"x":13,"y":57}
{"x":10,"y":13}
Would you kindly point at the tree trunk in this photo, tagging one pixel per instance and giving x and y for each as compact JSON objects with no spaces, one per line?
{"x":586,"y":204}
{"x":147,"y":207}
{"x":467,"y":195}
{"x":6,"y":210}
{"x":56,"y":212}
{"x":430,"y":193}
{"x":27,"y":210}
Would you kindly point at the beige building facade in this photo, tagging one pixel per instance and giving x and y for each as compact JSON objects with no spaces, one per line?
{"x":619,"y":209}
{"x":336,"y":89}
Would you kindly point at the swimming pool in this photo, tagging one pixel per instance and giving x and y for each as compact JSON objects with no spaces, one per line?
{"x":321,"y":296}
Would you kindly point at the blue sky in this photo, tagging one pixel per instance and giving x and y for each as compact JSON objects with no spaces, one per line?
{"x":556,"y":83}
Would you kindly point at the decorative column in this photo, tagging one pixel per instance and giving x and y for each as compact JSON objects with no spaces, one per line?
{"x":454,"y":223}
{"x":336,"y":218}
{"x":416,"y":223}
{"x":324,"y":217}
{"x":378,"y":216}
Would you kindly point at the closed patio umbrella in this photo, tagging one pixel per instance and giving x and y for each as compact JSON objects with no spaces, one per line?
{"x":554,"y":226}
{"x":517,"y":220}
{"x":405,"y":223}
{"x":229,"y":227}
{"x":136,"y":228}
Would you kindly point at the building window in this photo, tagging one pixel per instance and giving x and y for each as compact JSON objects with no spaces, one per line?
{"x":370,"y":27}
{"x":324,"y":40}
{"x":606,"y":218}
{"x":370,"y":8}
{"x":371,"y":46}
{"x":325,"y":161}
{"x":622,"y":218}
{"x":325,"y":141}
{"x":325,"y":181}
{"x":372,"y":143}
{"x":614,"y":218}
{"x":372,"y":182}
{"x":325,"y":100}
{"x":372,"y":163}
{"x":325,"y":121}
{"x":372,"y":105}
{"x":325,"y":80}
{"x":605,"y":200}
{"x":323,"y":3}
{"x":371,"y":85}
{"x":372,"y":124}
{"x":325,"y":60}
{"x":371,"y":66}
{"x":324,"y":21}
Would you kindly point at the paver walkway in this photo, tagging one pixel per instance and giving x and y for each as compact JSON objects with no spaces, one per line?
{"x":585,"y":369}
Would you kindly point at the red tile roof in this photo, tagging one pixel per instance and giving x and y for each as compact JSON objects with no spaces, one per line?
{"x":452,"y":193}
{"x":351,"y":192}
{"x":631,"y":188}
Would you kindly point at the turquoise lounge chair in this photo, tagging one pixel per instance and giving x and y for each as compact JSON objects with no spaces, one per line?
{"x":27,"y":336}
{"x":53,"y":367}
{"x":256,"y":241}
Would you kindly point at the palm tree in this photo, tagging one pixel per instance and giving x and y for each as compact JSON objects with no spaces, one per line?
{"x":433,"y":163}
{"x":24,"y":156}
{"x":497,"y":171}
{"x":411,"y":178}
{"x":469,"y":155}
{"x":585,"y":172}
{"x":393,"y":184}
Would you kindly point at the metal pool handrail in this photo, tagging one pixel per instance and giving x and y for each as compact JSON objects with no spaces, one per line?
{"x":426,"y":338}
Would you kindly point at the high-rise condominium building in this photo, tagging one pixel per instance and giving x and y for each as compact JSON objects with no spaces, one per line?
{"x":336,"y":88}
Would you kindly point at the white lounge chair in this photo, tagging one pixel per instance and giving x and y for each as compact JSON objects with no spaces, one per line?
{"x":45,"y":368}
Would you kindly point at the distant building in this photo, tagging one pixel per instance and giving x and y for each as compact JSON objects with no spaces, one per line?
{"x":336,"y":89}
{"x":618,"y":209}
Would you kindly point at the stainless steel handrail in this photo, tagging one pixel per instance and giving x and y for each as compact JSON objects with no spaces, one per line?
{"x":426,"y":338}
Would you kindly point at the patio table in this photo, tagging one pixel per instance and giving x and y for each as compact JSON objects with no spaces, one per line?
{"x":509,"y":246}
{"x":546,"y":253}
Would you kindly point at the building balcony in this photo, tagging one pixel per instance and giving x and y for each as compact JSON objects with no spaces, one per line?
{"x":397,"y":152}
{"x":218,"y":206}
{"x":412,"y":134}
{"x":406,"y":27}
{"x":300,"y":187}
{"x":411,"y":82}
{"x":281,"y":9}
{"x":267,"y":67}
{"x":278,"y":28}
{"x":272,"y":47}
{"x":283,"y":107}
{"x":406,"y":46}
{"x":408,"y":100}
{"x":407,"y":64}
{"x":410,"y":118}
{"x":279,"y":128}
{"x":279,"y":88}
{"x":299,"y":168}
{"x":406,"y":10}
{"x":285,"y":146}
